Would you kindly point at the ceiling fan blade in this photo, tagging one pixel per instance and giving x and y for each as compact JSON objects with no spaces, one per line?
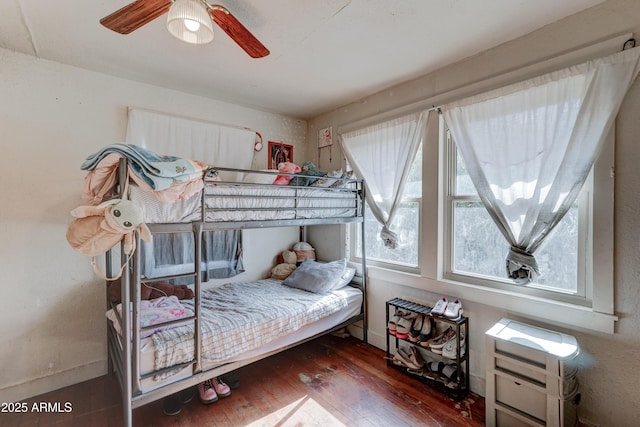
{"x":238,"y":32}
{"x":135,"y":15}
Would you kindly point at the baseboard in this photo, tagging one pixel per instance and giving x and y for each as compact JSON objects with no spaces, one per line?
{"x":35,"y":387}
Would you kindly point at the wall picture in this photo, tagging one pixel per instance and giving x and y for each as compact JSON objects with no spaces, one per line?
{"x":325,"y":137}
{"x":278,"y":153}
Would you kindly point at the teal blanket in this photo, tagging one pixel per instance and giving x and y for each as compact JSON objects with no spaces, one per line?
{"x":159,"y":171}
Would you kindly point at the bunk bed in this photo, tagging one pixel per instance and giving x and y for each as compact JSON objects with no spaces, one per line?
{"x":143,"y":358}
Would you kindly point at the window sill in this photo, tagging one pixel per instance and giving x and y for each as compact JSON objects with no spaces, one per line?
{"x":569,"y":315}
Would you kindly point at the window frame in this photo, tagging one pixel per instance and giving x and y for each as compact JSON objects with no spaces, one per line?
{"x":584,"y":290}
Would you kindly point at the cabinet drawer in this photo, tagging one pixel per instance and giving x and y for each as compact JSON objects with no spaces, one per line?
{"x":528,"y":371}
{"x":520,"y":395}
{"x":504,"y":419}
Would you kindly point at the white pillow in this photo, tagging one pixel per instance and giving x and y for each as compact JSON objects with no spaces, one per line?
{"x":261,"y":178}
{"x":345,"y":279}
{"x":316,"y":277}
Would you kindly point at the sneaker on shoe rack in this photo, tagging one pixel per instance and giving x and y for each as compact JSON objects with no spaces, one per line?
{"x":222,"y":390}
{"x":207,"y":392}
{"x":437,"y":343}
{"x":453,"y":310}
{"x":440,"y":306}
{"x":393,"y":322}
{"x":403,"y":327}
{"x":409,"y":359}
{"x":450,"y":351}
{"x":416,"y":327}
{"x":426,"y":333}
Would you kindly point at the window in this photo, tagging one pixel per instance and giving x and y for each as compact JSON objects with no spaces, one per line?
{"x":475,"y":248}
{"x":465,"y":259}
{"x":406,"y":224}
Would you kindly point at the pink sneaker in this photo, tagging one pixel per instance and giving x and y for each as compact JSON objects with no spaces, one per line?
{"x":220,"y":387}
{"x":207,"y":392}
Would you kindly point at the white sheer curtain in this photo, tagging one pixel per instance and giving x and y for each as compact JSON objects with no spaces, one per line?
{"x":529,"y":147}
{"x":216,"y":145}
{"x":382,"y":155}
{"x":213,"y":144}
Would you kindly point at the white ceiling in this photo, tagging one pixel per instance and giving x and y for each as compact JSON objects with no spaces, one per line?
{"x":324,"y":53}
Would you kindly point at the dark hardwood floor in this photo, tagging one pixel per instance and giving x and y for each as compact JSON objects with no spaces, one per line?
{"x":329,"y":381}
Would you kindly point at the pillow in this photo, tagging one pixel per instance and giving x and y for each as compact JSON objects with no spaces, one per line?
{"x":327,"y":180}
{"x":260,"y":178}
{"x":345,"y":279}
{"x":342,"y":182}
{"x":316,"y":277}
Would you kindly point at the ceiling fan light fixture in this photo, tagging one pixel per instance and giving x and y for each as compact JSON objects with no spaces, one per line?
{"x":189,"y":21}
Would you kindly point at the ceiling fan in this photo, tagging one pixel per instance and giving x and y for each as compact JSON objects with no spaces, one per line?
{"x":188,"y":20}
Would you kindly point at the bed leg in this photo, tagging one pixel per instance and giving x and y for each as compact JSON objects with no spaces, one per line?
{"x":127,"y":413}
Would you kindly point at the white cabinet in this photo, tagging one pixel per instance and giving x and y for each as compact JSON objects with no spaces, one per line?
{"x":531,"y":376}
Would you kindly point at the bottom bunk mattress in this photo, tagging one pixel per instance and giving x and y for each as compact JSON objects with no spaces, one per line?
{"x":242,"y":321}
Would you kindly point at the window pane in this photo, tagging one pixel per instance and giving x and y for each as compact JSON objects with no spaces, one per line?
{"x":405,"y":224}
{"x":464,"y":185}
{"x":479,"y":249}
{"x":413,"y":186}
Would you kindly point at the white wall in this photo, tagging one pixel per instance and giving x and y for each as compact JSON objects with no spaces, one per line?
{"x":609,"y":363}
{"x":51,"y":117}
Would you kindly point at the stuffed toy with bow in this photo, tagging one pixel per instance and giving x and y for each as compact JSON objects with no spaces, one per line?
{"x":286,"y":167}
{"x":96,"y":229}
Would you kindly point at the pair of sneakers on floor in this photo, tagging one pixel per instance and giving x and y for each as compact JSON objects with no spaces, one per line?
{"x":209,"y":391}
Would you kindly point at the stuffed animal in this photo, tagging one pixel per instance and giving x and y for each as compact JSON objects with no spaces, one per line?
{"x":308,"y":169}
{"x":288,"y":257}
{"x":286,"y":167}
{"x":286,"y":264}
{"x":281,"y":271}
{"x":149,"y":291}
{"x":96,"y":229}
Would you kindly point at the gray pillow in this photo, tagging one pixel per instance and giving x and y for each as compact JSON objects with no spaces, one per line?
{"x":316,"y":277}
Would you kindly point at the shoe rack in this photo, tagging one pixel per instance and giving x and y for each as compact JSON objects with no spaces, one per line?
{"x":456,"y":388}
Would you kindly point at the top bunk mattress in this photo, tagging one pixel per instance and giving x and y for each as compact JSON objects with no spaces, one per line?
{"x":236,"y":202}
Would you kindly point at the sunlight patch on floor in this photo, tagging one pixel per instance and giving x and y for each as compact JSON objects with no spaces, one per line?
{"x":304,"y":411}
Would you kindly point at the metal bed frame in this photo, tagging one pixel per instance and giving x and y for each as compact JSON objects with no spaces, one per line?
{"x":124,"y":350}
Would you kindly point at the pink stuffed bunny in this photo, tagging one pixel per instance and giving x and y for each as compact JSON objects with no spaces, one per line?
{"x":286,"y":167}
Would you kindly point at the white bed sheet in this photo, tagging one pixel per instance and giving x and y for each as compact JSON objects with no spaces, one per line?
{"x":354,"y":298}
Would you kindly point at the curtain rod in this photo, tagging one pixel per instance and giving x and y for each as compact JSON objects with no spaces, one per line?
{"x":147,"y":110}
{"x":433,"y":103}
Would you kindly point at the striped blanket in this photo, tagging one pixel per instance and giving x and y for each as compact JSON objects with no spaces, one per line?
{"x":239,"y":317}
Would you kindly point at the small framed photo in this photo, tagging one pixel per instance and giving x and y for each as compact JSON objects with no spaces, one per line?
{"x":278,"y":153}
{"x":325,"y":137}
